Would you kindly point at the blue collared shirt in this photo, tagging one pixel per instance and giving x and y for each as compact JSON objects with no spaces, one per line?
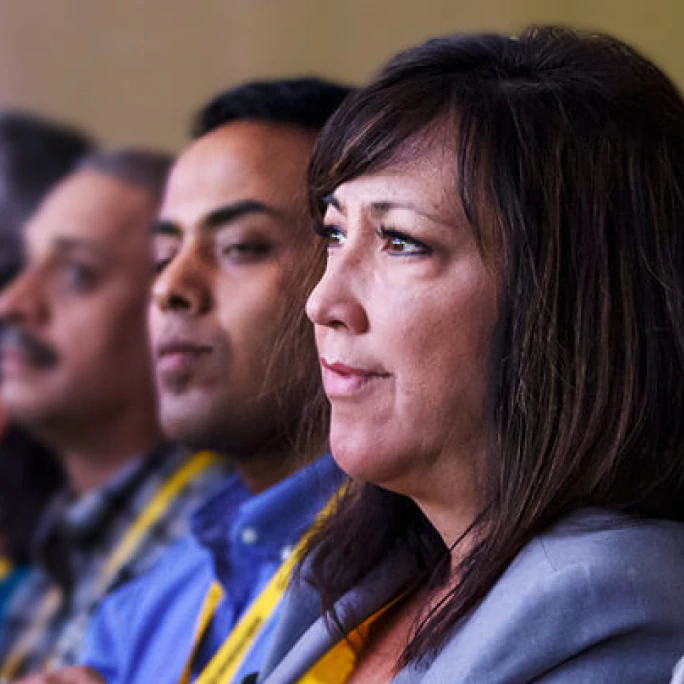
{"x":8,"y":584}
{"x":74,"y":542}
{"x":145,"y":632}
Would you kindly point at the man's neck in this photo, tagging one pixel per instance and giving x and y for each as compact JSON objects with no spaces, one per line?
{"x":94,"y":453}
{"x":89,"y":471}
{"x":261,"y":470}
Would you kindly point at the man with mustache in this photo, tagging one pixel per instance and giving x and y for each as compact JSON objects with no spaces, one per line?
{"x":76,"y":373}
{"x":236,"y":370}
{"x":34,"y":155}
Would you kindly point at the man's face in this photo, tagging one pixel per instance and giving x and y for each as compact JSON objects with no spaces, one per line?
{"x":75,"y":343}
{"x":231,"y":237}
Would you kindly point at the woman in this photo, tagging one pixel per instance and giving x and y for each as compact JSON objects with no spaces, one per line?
{"x":501,"y":334}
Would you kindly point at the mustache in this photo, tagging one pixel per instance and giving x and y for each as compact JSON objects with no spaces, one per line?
{"x":36,"y":352}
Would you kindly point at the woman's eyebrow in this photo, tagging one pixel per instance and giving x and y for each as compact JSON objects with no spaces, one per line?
{"x":332,"y":201}
{"x":383,"y":207}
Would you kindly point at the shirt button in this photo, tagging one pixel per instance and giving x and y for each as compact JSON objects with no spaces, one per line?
{"x":249,"y":536}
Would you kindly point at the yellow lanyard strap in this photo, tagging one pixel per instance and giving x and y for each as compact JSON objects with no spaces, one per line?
{"x":209,"y":606}
{"x":123,"y":552}
{"x":5,"y":568}
{"x":233,"y":652}
{"x":155,"y":510}
{"x":337,"y":665}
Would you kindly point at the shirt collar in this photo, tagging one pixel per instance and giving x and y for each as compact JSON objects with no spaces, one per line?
{"x":271,"y":521}
{"x":80,"y":516}
{"x":71,"y":523}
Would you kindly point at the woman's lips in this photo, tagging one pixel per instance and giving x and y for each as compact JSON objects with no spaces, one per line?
{"x":342,"y":381}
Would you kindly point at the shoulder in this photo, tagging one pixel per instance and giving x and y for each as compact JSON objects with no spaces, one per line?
{"x":184,"y":564}
{"x":126,"y":637}
{"x":599,"y":597}
{"x":605,"y":537}
{"x":642,"y":559}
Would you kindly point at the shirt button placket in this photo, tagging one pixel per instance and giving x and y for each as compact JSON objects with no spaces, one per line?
{"x":249,"y":536}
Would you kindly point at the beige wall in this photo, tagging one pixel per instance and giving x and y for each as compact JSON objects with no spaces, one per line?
{"x":133,"y":70}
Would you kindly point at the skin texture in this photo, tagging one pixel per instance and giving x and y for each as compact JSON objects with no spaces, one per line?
{"x":68,"y":675}
{"x":407,"y":302}
{"x":231,"y":238}
{"x":75,"y":367}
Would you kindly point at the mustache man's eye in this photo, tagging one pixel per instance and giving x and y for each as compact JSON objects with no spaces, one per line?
{"x":80,"y":277}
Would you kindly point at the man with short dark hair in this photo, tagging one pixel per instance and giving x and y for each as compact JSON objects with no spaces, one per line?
{"x":76,"y":373}
{"x":236,"y":370}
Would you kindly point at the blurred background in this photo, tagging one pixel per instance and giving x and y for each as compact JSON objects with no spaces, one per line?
{"x":131,"y":71}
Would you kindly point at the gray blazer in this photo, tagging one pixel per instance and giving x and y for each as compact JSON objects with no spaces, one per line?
{"x":597,"y":598}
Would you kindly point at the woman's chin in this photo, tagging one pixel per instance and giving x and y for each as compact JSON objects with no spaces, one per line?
{"x":365,"y":459}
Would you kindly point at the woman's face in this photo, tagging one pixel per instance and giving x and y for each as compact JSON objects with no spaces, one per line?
{"x":403,"y":319}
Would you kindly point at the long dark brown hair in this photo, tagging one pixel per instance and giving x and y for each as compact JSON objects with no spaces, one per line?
{"x":568,"y":152}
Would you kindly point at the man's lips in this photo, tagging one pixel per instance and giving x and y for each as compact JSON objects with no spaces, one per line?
{"x":341,"y":380}
{"x":179,"y":356}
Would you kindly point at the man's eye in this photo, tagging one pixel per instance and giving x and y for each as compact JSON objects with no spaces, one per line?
{"x":400,"y":244}
{"x":247,"y":251}
{"x":161,"y":264}
{"x":80,"y":277}
{"x":332,"y":235}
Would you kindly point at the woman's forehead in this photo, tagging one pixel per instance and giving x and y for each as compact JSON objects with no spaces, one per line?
{"x":426,"y":180}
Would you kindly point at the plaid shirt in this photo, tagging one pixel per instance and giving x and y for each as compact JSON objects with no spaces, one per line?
{"x":74,"y":543}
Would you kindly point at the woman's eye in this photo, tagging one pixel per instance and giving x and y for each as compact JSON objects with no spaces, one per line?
{"x":332,"y":235}
{"x":399,"y":244}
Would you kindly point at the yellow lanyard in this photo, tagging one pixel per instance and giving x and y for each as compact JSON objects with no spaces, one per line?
{"x":232,"y":653}
{"x":337,"y":665}
{"x":5,"y":568}
{"x":124,"y":551}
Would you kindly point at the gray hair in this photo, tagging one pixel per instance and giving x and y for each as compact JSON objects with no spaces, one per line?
{"x":35,"y":154}
{"x":145,"y":168}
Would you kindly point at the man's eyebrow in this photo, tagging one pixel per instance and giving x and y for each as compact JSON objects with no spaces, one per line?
{"x":70,"y":244}
{"x":231,"y":212}
{"x":163,"y":227}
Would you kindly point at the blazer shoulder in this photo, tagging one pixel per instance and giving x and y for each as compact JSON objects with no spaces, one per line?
{"x":600,"y":591}
{"x":601,"y":540}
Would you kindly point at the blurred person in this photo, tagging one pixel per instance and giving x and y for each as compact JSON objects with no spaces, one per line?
{"x":236,"y":370}
{"x":678,"y":673}
{"x":77,"y":374}
{"x":34,"y":155}
{"x":30,"y":474}
{"x":501,"y":336}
